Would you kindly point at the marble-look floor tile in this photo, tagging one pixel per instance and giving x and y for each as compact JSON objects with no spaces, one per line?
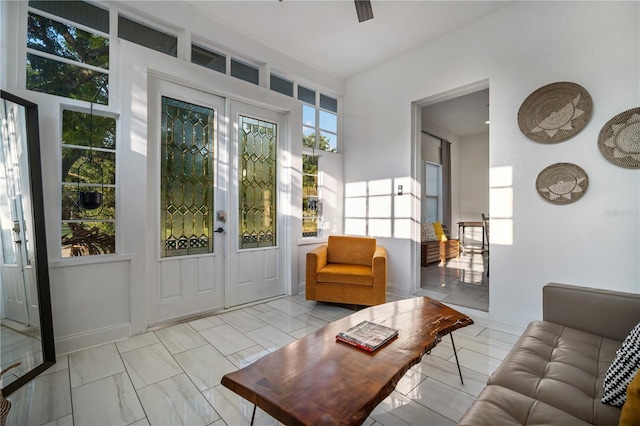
{"x":43,"y":399}
{"x":477,"y":362}
{"x":247,"y":356}
{"x":180,"y":338}
{"x":227,"y":339}
{"x":142,"y":422}
{"x":62,"y":363}
{"x":270,"y":338}
{"x":62,"y":421}
{"x":150,"y":364}
{"x":176,"y":401}
{"x":136,"y":342}
{"x":289,"y":307}
{"x":497,"y":351}
{"x":242,"y":321}
{"x":447,"y":373}
{"x":397,"y":409}
{"x":93,"y":364}
{"x":204,"y":323}
{"x":442,"y":398}
{"x":109,"y":401}
{"x":304,"y":331}
{"x":409,"y":381}
{"x":235,"y":410}
{"x":205,"y":366}
{"x":281,"y":321}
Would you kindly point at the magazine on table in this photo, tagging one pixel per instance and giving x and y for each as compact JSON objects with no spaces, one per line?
{"x":367,"y":335}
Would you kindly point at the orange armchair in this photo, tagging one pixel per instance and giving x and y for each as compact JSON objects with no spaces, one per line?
{"x":349,"y":270}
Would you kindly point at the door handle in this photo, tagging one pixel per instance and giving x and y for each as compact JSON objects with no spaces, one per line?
{"x":219,"y":230}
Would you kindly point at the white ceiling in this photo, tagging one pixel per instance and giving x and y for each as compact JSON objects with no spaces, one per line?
{"x":463,"y":116}
{"x":326,"y":34}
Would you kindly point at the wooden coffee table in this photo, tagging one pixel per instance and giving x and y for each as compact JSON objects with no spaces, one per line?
{"x":319,"y":381}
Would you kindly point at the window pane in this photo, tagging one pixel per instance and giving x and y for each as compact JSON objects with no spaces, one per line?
{"x":88,"y":238}
{"x":244,"y":72}
{"x":308,"y":137}
{"x":328,"y":142}
{"x":77,"y":11}
{"x":306,"y":95}
{"x":55,"y":78}
{"x":147,"y":37}
{"x":308,"y":116}
{"x":432,"y":172}
{"x":67,"y":41}
{"x":328,"y":121}
{"x":432,"y":209}
{"x":281,"y":85}
{"x":258,"y":165}
{"x":329,"y":103}
{"x":77,"y":130}
{"x":208,"y":58}
{"x":186,"y":178}
{"x":73,"y":208}
{"x":310,"y":200}
{"x":84,"y":166}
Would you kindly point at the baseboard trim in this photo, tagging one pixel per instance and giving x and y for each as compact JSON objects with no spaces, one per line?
{"x":88,"y":339}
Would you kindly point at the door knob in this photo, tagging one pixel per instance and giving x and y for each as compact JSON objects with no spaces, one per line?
{"x":219,"y":230}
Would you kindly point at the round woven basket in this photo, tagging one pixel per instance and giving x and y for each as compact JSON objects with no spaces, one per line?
{"x":562,"y":183}
{"x":555,"y":112}
{"x":619,"y":139}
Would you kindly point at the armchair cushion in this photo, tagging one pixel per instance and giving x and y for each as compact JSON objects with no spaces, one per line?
{"x":347,"y":274}
{"x":350,"y":250}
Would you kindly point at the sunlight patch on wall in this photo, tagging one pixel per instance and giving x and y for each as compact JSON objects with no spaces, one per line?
{"x":376,"y":209}
{"x":501,"y":196}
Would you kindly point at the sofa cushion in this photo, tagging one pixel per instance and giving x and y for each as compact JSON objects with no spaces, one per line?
{"x":346,"y":274}
{"x":562,"y":367}
{"x":440,"y":234}
{"x":497,"y":405}
{"x":350,"y":250}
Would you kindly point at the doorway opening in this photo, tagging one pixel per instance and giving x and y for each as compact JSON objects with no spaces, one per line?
{"x":453,"y":169}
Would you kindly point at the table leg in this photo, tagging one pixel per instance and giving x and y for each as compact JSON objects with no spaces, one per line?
{"x":456,"y":354}
{"x":253,"y":416}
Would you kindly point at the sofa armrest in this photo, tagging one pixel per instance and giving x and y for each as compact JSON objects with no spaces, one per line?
{"x":607,"y":313}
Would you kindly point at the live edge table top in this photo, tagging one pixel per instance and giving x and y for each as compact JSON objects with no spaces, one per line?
{"x":319,"y":381}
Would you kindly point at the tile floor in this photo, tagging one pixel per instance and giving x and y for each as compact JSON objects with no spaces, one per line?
{"x":462,"y":281}
{"x":171,"y":376}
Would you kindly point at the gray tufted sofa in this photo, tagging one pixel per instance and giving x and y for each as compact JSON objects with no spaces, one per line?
{"x":554,"y":373}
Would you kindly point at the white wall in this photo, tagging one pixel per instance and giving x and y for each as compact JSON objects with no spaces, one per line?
{"x":518,"y":49}
{"x":473,"y":173}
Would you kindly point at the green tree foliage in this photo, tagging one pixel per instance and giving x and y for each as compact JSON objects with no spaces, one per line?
{"x":58,"y":78}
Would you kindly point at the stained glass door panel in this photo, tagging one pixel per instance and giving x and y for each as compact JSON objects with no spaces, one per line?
{"x":257,"y":182}
{"x":187,"y":178}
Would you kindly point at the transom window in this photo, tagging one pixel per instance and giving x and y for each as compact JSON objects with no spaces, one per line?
{"x":68,"y":52}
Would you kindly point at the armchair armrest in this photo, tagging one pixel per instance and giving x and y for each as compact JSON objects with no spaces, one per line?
{"x":316,"y":260}
{"x":606,"y":313}
{"x":379,"y":270}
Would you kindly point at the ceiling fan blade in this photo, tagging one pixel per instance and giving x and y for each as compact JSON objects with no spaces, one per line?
{"x":364,"y":10}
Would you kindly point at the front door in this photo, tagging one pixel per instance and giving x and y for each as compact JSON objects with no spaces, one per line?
{"x":187,"y":163}
{"x":257,"y":194}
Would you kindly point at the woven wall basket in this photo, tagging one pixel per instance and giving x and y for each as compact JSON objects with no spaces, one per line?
{"x":555,"y":112}
{"x":619,"y":139}
{"x":562,"y":183}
